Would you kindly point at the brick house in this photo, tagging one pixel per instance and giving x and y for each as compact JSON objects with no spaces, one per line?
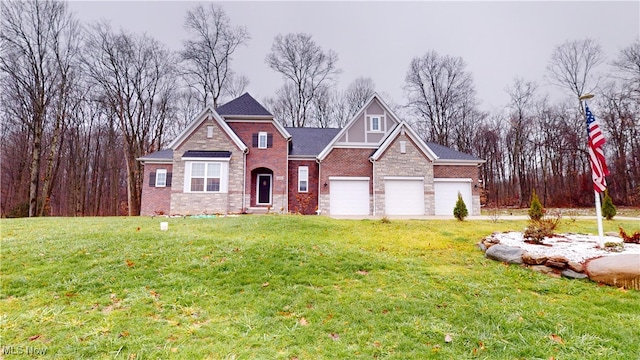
{"x":238,"y":158}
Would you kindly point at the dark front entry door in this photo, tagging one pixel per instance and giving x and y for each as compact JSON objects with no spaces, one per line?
{"x":264,"y":189}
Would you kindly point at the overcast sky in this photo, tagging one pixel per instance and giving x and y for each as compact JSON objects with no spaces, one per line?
{"x":499,"y":40}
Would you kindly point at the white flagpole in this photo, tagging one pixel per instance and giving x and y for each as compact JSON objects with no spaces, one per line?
{"x":597,"y":195}
{"x":599,"y":218}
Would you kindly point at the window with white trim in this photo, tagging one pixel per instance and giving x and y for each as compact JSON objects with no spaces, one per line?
{"x":262,"y":140}
{"x":161,"y":177}
{"x":205,"y":177}
{"x":303,"y":179}
{"x":209,"y":131}
{"x":375,"y":123}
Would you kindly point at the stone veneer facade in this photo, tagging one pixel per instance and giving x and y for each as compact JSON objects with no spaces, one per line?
{"x":185,"y":203}
{"x":413,"y":163}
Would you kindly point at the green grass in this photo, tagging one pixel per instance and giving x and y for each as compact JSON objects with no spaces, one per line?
{"x":285,"y":287}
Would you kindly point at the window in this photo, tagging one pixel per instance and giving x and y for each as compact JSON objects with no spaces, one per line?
{"x":161,"y":178}
{"x":205,"y":177}
{"x":375,"y":123}
{"x":403,"y":147}
{"x":262,"y":140}
{"x":303,"y":179}
{"x":209,"y":131}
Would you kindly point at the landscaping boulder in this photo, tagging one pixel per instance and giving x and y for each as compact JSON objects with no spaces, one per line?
{"x":533,"y":259}
{"x":568,"y":273}
{"x":505,"y":253}
{"x":617,"y":270}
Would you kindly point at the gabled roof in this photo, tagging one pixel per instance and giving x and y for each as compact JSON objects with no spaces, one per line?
{"x":245,"y":105}
{"x":403,"y":127}
{"x":198,"y":120}
{"x":446,"y":154}
{"x":246,"y":108}
{"x":162,"y":156}
{"x":310,"y":141}
{"x":323,"y":154}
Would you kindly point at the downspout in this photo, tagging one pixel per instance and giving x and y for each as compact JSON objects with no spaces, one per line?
{"x":318,"y":210}
{"x":373,"y":162}
{"x":244,"y":180}
{"x":286,"y":180}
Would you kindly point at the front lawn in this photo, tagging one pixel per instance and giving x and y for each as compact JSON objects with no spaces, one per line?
{"x":293,"y":287}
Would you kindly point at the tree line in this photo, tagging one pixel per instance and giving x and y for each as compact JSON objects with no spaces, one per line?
{"x":81,"y":102}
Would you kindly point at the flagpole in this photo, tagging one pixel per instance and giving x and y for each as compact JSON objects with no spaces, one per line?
{"x":599,"y":217}
{"x":597,"y":195}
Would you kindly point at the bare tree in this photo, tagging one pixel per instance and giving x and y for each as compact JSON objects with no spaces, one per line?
{"x":627,"y":65}
{"x":357,"y":93}
{"x":236,"y":86}
{"x":136,"y":77}
{"x":522,"y":95}
{"x":573,"y":63}
{"x":208,"y":52}
{"x":335,"y":108}
{"x":307,"y":71}
{"x":39,"y":42}
{"x":438,"y":90}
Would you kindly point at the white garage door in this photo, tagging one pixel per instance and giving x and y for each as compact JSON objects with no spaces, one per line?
{"x":404,"y":196}
{"x":446,"y":194}
{"x":349,"y":196}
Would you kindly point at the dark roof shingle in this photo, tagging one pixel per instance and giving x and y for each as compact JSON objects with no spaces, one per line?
{"x":310,"y":141}
{"x":206,"y":154}
{"x":244,"y":105}
{"x":445,"y":153}
{"x":166,"y":154}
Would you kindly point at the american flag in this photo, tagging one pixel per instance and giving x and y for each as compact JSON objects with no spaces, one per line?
{"x":596,"y":155}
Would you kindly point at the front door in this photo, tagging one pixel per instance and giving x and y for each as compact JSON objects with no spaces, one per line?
{"x":264,"y":189}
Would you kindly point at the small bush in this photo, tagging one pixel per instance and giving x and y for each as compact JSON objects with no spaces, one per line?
{"x":460,"y":211}
{"x":631,"y":239}
{"x":537,"y":230}
{"x":536,"y":211}
{"x":614,"y":246}
{"x":608,"y":209}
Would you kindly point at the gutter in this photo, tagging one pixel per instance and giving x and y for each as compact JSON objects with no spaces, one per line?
{"x":244,"y":178}
{"x":373,"y":179}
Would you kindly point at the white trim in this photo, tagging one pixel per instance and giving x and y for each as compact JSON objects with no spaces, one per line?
{"x":408,"y":131}
{"x":438,"y":162}
{"x":345,"y":130}
{"x":265,"y":136}
{"x":258,"y":189}
{"x":306,"y":179}
{"x":156,"y":161}
{"x":206,"y":159}
{"x":452,"y":180}
{"x":354,"y":178}
{"x":412,"y":178}
{"x":224,"y":177}
{"x":356,"y":146}
{"x":161,"y":171}
{"x":369,"y":125}
{"x":198,"y":120}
